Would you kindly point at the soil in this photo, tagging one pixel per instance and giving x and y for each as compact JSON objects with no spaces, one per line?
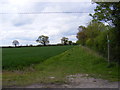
{"x":79,"y":81}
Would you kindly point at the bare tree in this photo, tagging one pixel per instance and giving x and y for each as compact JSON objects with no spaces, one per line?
{"x":15,"y":42}
{"x":64,"y":40}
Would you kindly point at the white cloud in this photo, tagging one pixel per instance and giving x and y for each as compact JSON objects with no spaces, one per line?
{"x":27,"y":27}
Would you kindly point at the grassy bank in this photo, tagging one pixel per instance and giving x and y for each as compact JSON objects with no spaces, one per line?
{"x":73,"y":61}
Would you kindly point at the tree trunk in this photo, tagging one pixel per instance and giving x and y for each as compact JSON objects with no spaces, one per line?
{"x":44,"y":44}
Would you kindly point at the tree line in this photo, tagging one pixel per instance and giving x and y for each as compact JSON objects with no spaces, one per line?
{"x":44,"y":40}
{"x":99,"y":36}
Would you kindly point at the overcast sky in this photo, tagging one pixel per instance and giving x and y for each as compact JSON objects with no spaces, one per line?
{"x":24,"y":21}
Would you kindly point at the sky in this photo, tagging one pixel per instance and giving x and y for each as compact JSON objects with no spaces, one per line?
{"x":26,"y":20}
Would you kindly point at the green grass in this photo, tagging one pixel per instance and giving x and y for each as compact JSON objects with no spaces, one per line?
{"x":18,"y":58}
{"x":73,"y":61}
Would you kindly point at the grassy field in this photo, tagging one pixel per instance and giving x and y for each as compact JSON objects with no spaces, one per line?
{"x":18,"y":58}
{"x":73,"y":61}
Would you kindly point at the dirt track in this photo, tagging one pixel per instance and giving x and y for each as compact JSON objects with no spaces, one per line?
{"x":79,"y":81}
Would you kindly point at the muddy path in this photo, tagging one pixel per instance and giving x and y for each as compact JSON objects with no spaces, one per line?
{"x":78,"y":81}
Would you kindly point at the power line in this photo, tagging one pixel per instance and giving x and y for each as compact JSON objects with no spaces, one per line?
{"x":42,"y":12}
{"x":58,"y":2}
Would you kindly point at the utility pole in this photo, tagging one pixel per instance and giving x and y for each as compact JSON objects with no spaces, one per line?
{"x":108,"y":45}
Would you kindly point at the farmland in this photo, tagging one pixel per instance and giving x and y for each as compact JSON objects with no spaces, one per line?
{"x":60,"y":62}
{"x":18,"y":58}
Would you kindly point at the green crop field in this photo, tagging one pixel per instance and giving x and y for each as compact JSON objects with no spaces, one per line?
{"x":18,"y":58}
